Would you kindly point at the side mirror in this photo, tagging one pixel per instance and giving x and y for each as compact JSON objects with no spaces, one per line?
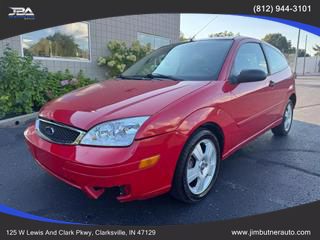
{"x":251,"y":75}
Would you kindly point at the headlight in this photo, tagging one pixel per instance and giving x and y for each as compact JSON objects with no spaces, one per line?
{"x":114,"y":133}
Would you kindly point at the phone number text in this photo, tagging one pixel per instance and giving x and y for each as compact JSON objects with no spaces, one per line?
{"x":281,"y":8}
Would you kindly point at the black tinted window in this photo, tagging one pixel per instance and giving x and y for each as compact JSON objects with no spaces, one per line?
{"x":276,"y":60}
{"x":199,"y":60}
{"x":249,"y":56}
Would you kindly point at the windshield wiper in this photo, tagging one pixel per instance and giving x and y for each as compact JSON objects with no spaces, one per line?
{"x":134,"y":77}
{"x":158,"y":75}
{"x":150,"y":76}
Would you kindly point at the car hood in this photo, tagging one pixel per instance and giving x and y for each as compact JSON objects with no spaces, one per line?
{"x":115,"y":99}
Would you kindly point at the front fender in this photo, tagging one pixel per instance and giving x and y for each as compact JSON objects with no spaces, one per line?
{"x":185,"y":126}
{"x":210,"y":115}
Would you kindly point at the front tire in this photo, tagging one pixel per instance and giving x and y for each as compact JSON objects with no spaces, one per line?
{"x":197,"y":168}
{"x":284,"y":128}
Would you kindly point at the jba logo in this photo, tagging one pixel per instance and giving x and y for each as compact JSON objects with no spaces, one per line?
{"x":21,"y":12}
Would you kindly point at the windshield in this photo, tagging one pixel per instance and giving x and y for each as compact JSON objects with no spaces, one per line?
{"x":199,"y":60}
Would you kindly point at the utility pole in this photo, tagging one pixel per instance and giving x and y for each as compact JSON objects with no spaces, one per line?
{"x":305,"y":52}
{"x":297,"y":51}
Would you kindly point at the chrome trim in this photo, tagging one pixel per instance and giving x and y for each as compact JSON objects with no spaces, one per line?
{"x":76,"y":142}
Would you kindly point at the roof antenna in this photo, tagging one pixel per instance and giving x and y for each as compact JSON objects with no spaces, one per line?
{"x":203,"y":28}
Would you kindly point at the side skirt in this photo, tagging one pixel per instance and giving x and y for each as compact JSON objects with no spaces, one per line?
{"x":274,"y":124}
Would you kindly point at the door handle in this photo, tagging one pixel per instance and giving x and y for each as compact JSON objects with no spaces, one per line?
{"x":271,"y":83}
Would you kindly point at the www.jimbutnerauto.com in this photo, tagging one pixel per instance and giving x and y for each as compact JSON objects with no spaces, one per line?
{"x":260,"y":232}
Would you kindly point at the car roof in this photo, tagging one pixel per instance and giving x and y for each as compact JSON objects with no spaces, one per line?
{"x":240,"y":38}
{"x":235,"y":38}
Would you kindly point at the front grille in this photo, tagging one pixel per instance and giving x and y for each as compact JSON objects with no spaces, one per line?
{"x":57,"y":133}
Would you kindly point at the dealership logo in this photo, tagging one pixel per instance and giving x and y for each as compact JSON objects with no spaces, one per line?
{"x":21,"y":12}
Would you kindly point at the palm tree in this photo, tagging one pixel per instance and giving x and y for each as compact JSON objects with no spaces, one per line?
{"x":316,"y":48}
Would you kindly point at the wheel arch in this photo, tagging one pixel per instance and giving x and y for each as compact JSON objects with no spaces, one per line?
{"x":210,"y":118}
{"x":293,"y":98}
{"x":217,"y":131}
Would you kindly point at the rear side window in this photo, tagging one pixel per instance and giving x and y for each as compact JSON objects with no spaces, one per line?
{"x":277,"y":62}
{"x":249,"y":56}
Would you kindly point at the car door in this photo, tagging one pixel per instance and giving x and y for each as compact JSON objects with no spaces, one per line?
{"x":251,"y":101}
{"x":280,"y":80}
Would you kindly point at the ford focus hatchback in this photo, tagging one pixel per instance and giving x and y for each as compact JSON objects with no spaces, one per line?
{"x":166,"y":123}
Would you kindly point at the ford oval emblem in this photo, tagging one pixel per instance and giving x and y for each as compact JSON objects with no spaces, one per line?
{"x":49,"y":131}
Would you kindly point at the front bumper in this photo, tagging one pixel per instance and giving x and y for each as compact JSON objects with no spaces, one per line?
{"x":92,"y":168}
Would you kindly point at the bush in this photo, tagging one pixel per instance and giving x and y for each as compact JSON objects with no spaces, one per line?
{"x":22,"y":84}
{"x":122,"y":56}
{"x":26,"y":85}
{"x":60,"y":83}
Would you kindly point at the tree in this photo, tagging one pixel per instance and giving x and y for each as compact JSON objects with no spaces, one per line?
{"x":57,"y":44}
{"x":41,"y":48}
{"x":316,"y":48}
{"x":224,"y":34}
{"x":301,"y":53}
{"x":183,"y":38}
{"x":280,"y":42}
{"x":63,"y":45}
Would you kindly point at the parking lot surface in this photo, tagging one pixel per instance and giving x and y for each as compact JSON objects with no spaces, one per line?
{"x":266,"y":175}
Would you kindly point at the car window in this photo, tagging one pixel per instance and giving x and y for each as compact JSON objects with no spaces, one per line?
{"x":276,"y":60}
{"x":199,"y":60}
{"x":249,"y":56}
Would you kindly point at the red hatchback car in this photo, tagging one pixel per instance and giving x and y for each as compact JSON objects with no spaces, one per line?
{"x":167,"y":122}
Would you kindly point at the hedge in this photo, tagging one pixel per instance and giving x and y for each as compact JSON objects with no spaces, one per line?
{"x":25,"y":85}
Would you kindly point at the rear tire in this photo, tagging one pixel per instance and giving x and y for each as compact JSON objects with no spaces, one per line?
{"x":284,"y":128}
{"x":197,"y":168}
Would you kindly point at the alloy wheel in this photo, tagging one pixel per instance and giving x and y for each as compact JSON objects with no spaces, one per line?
{"x":288,"y":117}
{"x":201,"y":166}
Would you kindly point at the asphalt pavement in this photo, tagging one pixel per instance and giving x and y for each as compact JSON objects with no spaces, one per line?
{"x":266,"y":175}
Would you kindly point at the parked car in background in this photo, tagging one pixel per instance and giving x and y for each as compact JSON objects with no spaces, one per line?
{"x":167,"y":122}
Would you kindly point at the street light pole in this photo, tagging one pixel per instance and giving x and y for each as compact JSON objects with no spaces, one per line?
{"x":296,"y":57}
{"x":305,"y":52}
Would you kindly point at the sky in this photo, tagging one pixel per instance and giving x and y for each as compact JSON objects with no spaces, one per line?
{"x":246,"y":26}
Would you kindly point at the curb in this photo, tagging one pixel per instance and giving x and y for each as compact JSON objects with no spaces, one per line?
{"x":18,"y":121}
